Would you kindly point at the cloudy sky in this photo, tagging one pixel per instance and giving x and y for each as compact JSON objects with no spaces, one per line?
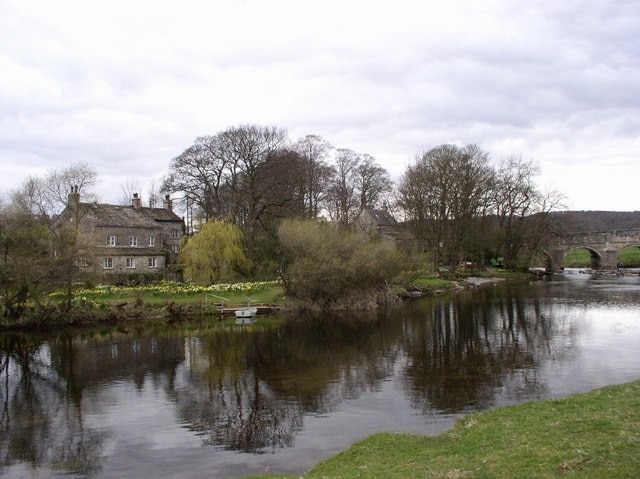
{"x":127,"y":85}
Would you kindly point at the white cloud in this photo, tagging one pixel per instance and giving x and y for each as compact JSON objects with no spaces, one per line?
{"x":126,"y":86}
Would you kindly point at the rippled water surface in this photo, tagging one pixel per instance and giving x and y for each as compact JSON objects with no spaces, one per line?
{"x":224,"y":400}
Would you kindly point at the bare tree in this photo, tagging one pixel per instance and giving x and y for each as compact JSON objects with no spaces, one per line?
{"x":52,"y":205}
{"x":128,"y":189}
{"x":443,"y":194}
{"x":343,"y":195}
{"x":199,"y":173}
{"x":522,"y":210}
{"x":314,"y":152}
{"x":47,"y":196}
{"x":247,"y":149}
{"x":154,"y":195}
{"x":373,"y":183}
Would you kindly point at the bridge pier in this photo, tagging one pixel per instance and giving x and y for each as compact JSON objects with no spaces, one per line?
{"x":609,"y":259}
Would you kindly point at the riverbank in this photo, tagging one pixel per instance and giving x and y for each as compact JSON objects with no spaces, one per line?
{"x":592,"y":435}
{"x":176,"y":301}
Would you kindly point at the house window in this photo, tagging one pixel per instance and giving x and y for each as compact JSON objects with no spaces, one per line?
{"x":133,"y":241}
{"x":131,"y":263}
{"x":152,"y":240}
{"x":175,"y":248}
{"x":111,"y":240}
{"x":175,"y":234}
{"x":81,"y":262}
{"x":153,"y":262}
{"x":108,"y":263}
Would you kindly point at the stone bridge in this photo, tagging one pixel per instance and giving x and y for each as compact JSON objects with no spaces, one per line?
{"x":604,"y":247}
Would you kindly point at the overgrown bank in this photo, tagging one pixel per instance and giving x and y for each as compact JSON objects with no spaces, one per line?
{"x":176,"y":301}
{"x":593,"y":435}
{"x":164,"y":301}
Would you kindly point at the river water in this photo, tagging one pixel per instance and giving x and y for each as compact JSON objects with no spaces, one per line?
{"x":223,"y":400}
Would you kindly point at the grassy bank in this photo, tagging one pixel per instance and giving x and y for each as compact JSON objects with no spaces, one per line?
{"x":593,"y":435}
{"x":116,"y":304}
{"x":429,"y":283}
{"x":179,"y":293}
{"x":168,"y":300}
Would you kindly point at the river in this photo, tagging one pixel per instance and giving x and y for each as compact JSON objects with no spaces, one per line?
{"x":225,"y":400}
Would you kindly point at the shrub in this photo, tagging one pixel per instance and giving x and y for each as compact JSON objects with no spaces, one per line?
{"x":324,"y":264}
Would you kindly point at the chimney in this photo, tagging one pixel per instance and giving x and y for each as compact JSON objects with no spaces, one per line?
{"x":73,"y":200}
{"x":167,"y":204}
{"x":136,"y":202}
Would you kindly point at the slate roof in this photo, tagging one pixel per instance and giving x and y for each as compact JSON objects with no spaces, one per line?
{"x":161,"y":214}
{"x":118,"y":216}
{"x":382,"y":217}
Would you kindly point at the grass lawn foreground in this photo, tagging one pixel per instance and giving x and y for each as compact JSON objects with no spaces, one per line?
{"x":592,"y":435}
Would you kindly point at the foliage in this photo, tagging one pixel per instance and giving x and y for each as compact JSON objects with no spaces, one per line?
{"x":24,"y":260}
{"x":249,"y":175}
{"x":213,"y":254}
{"x":591,"y":435}
{"x":48,"y":202}
{"x":323,"y":264}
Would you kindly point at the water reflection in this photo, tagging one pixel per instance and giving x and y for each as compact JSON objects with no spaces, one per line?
{"x":467,"y":347}
{"x":249,"y":390}
{"x":255,"y":389}
{"x":42,"y":422}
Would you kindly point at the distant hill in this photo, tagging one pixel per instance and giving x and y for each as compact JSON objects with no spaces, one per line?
{"x":584,"y":221}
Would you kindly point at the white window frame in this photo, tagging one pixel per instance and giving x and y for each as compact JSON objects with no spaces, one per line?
{"x":175,"y":248}
{"x":133,"y":241}
{"x":111,"y":240}
{"x":81,"y":262}
{"x":153,"y":262}
{"x":107,"y":263}
{"x":175,"y":234}
{"x":152,"y":241}
{"x":131,"y":263}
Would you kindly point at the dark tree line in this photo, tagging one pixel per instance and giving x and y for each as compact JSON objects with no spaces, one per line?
{"x":461,"y":208}
{"x":458,"y":205}
{"x":253,"y":176}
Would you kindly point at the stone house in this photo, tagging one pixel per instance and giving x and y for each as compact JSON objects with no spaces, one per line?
{"x":118,"y":242}
{"x":379,"y":223}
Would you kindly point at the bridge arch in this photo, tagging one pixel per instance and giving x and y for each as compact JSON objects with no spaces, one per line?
{"x":629,"y":256}
{"x":595,"y":257}
{"x":603,"y":246}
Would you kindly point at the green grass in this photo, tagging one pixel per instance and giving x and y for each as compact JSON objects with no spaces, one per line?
{"x":577,"y":258}
{"x":593,"y":435}
{"x":231,"y":294}
{"x":425,"y":283}
{"x":581,"y":258}
{"x":630,"y":257}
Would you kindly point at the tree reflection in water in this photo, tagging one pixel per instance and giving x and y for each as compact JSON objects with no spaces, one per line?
{"x":469,"y":346}
{"x":42,"y":425}
{"x":249,"y":390}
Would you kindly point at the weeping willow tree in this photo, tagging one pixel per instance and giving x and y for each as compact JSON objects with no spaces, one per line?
{"x":214,"y":254}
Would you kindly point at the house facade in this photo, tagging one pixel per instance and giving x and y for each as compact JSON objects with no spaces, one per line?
{"x":379,"y":223}
{"x":117,"y":242}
